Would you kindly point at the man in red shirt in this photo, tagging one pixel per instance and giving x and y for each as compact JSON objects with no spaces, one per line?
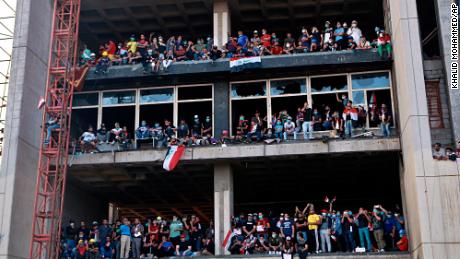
{"x":266,"y":39}
{"x":403,"y":243}
{"x":111,"y":49}
{"x":384,"y":41}
{"x":277,"y":49}
{"x":262,"y":226}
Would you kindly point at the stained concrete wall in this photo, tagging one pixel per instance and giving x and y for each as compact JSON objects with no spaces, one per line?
{"x":434,"y":70}
{"x":221,"y":107}
{"x":429,"y":194}
{"x":81,"y":205}
{"x":443,"y":19}
{"x":18,"y":171}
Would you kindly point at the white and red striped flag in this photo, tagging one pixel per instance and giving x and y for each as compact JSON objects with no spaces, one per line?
{"x":173,"y":156}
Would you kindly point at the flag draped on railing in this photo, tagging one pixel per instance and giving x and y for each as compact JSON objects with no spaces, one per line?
{"x":240,"y":64}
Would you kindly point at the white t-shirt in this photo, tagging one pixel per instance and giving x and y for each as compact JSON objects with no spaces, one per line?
{"x":288,"y":126}
{"x":355,"y":33}
{"x":88,"y":136}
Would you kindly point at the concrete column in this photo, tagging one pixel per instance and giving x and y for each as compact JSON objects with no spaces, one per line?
{"x":433,"y":232}
{"x":221,"y":107}
{"x":443,"y":17}
{"x":223,"y":203}
{"x":22,"y":135}
{"x":221,"y":22}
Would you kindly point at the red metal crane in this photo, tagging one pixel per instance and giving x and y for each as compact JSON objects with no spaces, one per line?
{"x":53,"y":157}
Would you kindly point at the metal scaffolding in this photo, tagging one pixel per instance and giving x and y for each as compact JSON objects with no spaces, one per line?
{"x":7,"y":18}
{"x":53,"y":156}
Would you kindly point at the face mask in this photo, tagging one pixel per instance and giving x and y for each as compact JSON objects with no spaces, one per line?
{"x":208,"y":120}
{"x":144,"y":123}
{"x":241,"y":118}
{"x":274,"y":235}
{"x":288,"y":45}
{"x":324,"y":214}
{"x":375,"y":211}
{"x":260,"y":217}
{"x":349,"y":213}
{"x":281,"y":218}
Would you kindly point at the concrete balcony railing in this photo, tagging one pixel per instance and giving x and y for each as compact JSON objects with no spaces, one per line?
{"x":218,"y":152}
{"x":316,"y":59}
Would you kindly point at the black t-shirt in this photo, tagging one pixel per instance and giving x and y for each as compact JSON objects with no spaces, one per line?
{"x":71,"y":232}
{"x":249,"y":225}
{"x":182,"y":131}
{"x":169,"y":130}
{"x":347,"y":226}
{"x":301,"y":221}
{"x":161,"y":48}
{"x":183,"y":245}
{"x":196,"y":128}
{"x":209,"y":247}
{"x":307,"y":114}
{"x":362,"y":221}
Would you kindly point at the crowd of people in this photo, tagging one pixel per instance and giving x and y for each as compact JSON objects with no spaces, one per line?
{"x":153,"y":238}
{"x":306,"y":233}
{"x":342,"y":122}
{"x":157,"y":53}
{"x":448,"y":153}
{"x":378,"y":230}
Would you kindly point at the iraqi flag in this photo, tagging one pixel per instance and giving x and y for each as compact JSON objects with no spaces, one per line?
{"x":240,"y":64}
{"x":173,"y":156}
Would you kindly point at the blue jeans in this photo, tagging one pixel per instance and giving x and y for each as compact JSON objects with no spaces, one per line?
{"x":348,"y":127}
{"x":385,"y":128}
{"x":279,"y":135}
{"x":364,"y":234}
{"x":349,"y":241}
{"x":286,"y":135}
{"x":307,"y":128}
{"x":188,"y":253}
{"x":50,"y":131}
{"x":142,"y":134}
{"x":256,"y":134}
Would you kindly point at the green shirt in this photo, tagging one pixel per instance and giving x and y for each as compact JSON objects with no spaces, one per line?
{"x":175,"y":228}
{"x":378,"y":224}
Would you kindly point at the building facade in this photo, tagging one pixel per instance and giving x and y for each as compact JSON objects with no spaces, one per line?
{"x":215,"y":182}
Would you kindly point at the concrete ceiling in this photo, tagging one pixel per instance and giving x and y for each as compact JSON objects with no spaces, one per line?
{"x":118,"y":19}
{"x":147,"y":190}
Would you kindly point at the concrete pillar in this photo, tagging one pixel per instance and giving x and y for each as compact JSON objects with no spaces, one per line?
{"x":223,"y":203}
{"x":221,"y":107}
{"x":221,"y":22}
{"x":443,"y":18}
{"x":22,"y":134}
{"x":433,"y":233}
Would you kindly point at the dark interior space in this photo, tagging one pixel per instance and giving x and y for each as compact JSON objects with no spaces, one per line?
{"x":156,"y":113}
{"x":290,"y":104}
{"x":124,"y":115}
{"x":356,"y":180}
{"x":328,"y":84}
{"x":428,"y":29}
{"x":247,"y":108}
{"x":195,"y":92}
{"x":187,"y":111}
{"x":321,"y":100}
{"x":379,"y":97}
{"x":81,"y":120}
{"x":148,"y":190}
